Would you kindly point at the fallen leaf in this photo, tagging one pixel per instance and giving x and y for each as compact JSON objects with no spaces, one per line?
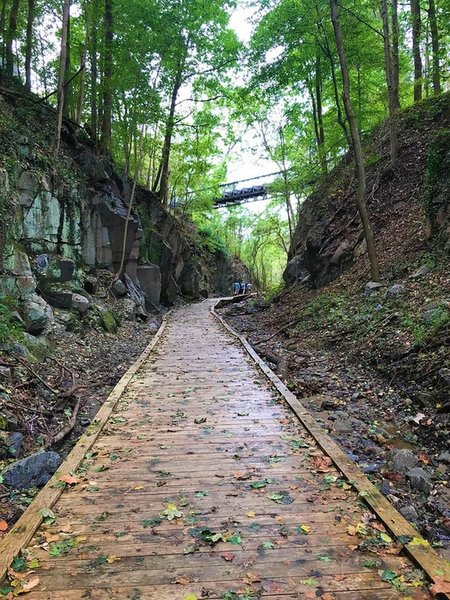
{"x":3,"y":525}
{"x":182,"y":580}
{"x":190,"y":597}
{"x":323,"y":464}
{"x":112,"y":558}
{"x":30,"y":584}
{"x":69,"y":479}
{"x":228,"y":556}
{"x":251,"y":578}
{"x":251,"y":513}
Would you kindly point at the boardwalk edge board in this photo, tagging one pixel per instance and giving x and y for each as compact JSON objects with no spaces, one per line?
{"x":419,"y":550}
{"x":24,"y":529}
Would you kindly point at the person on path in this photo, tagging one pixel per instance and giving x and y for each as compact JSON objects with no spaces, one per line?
{"x":243,"y":287}
{"x":236,"y":288}
{"x":248,"y":288}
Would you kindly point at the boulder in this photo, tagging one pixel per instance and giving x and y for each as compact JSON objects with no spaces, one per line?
{"x":58,"y":297}
{"x":371,"y":287}
{"x":33,"y":471}
{"x":37,"y":314}
{"x":445,"y":457}
{"x":410,"y":513}
{"x":420,"y":272}
{"x":149,"y":277}
{"x":80,"y":303}
{"x":153,"y":327}
{"x":119,"y":289}
{"x":420,"y":480}
{"x":397,"y":289}
{"x":403,"y":459}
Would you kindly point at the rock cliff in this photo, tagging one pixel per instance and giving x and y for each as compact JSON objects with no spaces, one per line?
{"x":63,"y":220}
{"x":408,"y":207}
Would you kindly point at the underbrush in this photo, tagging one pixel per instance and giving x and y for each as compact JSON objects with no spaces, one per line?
{"x":10,"y":329}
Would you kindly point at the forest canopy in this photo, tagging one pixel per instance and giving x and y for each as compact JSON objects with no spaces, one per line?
{"x":171,"y":91}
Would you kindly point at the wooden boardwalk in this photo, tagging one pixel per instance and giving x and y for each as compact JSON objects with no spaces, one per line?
{"x":204,"y":484}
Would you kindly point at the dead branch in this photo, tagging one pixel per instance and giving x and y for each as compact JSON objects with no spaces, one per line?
{"x":68,"y":428}
{"x":38,"y":377}
{"x":280,"y":330}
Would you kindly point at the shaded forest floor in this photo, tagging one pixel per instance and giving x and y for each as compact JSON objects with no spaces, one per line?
{"x":77,"y":369}
{"x":374,"y":369}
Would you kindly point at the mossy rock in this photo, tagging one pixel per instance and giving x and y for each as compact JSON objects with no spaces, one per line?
{"x":106,"y":319}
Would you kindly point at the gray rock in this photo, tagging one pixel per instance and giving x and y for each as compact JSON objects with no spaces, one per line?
{"x":153,"y":327}
{"x":403,"y":459}
{"x":33,"y":471}
{"x":371,"y":287}
{"x":37,"y":314}
{"x":444,"y":457}
{"x":10,"y":444}
{"x":430,"y":314}
{"x":410,"y":513}
{"x":129,"y":309}
{"x":397,"y":289}
{"x":420,"y":480}
{"x":80,"y":303}
{"x":119,"y":289}
{"x":150,"y":282}
{"x":420,"y":272}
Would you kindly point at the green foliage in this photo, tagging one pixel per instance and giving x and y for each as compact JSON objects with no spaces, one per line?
{"x":10,"y":329}
{"x":211,"y":240}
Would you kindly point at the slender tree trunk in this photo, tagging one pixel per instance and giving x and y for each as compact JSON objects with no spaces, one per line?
{"x":81,"y":89}
{"x":29,"y":43}
{"x":107,"y":76}
{"x":390,"y":80}
{"x":435,"y":47}
{"x":10,"y":37}
{"x":165,"y":158}
{"x":67,"y":88}
{"x":356,"y":143}
{"x":340,"y":116}
{"x":395,"y":54}
{"x":93,"y":51}
{"x":2,"y":28}
{"x":416,"y":31}
{"x":321,"y":130}
{"x":62,"y":71}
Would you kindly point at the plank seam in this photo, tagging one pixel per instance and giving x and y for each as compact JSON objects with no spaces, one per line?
{"x":420,"y":552}
{"x":24,"y":529}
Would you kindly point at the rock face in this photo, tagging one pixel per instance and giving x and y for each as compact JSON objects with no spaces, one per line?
{"x":64,"y":232}
{"x":33,"y":471}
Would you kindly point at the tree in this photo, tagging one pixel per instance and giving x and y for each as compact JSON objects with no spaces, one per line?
{"x":29,"y":42}
{"x":106,"y":125}
{"x":62,"y":71}
{"x":391,"y":80}
{"x":356,"y":143}
{"x":416,"y":26}
{"x":11,"y":36}
{"x":435,"y":45}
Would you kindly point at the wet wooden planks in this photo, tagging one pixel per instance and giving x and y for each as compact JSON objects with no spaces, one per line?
{"x":203,"y":482}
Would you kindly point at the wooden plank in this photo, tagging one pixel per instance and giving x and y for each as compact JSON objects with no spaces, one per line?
{"x":22,"y":532}
{"x":418,"y":549}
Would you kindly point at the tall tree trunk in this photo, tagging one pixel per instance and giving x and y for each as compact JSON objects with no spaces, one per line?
{"x":416,"y":30}
{"x":81,"y":89}
{"x":390,"y":77}
{"x":107,"y":76}
{"x":356,"y":143}
{"x":10,"y":37}
{"x":2,"y":28}
{"x":91,"y":29}
{"x":62,"y":71}
{"x":321,"y":130}
{"x":395,"y":54}
{"x":29,"y":43}
{"x":67,"y":88}
{"x":165,"y":158}
{"x":435,"y":43}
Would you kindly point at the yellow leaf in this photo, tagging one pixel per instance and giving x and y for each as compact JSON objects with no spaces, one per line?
{"x":111,"y":558}
{"x":80,"y":538}
{"x":30,"y":584}
{"x":305,"y":528}
{"x":251,"y":513}
{"x":190,"y":597}
{"x":139,"y":487}
{"x":418,"y":542}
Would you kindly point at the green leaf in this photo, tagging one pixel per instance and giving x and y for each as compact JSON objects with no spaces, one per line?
{"x":386,"y":538}
{"x":268,"y":545}
{"x":235,"y":539}
{"x":256,"y":485}
{"x":311,"y":582}
{"x":388,"y":575}
{"x":325,"y":559}
{"x":281,"y":498}
{"x":201,"y":494}
{"x":189,"y":550}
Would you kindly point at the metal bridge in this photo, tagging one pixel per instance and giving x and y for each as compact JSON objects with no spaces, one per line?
{"x":234,"y":193}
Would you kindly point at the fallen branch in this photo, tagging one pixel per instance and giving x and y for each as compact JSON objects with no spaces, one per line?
{"x":38,"y":377}
{"x":68,"y":428}
{"x":280,"y":330}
